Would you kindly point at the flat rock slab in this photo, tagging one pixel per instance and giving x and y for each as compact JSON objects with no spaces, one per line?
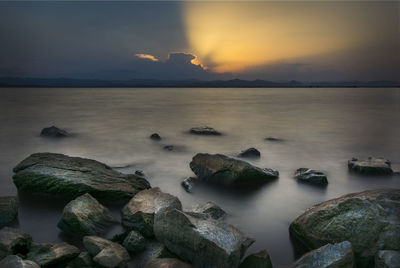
{"x":85,"y":216}
{"x":311,"y":176}
{"x":387,"y":259}
{"x":260,"y":259}
{"x":14,"y":261}
{"x":204,"y":130}
{"x":338,"y":255}
{"x":14,"y":241}
{"x":51,"y":255}
{"x":67,"y":176}
{"x":8,"y":209}
{"x":200,"y":240}
{"x":221,"y":169}
{"x":372,"y":165}
{"x":167,"y":263}
{"x":370,"y":220}
{"x":139,"y":213}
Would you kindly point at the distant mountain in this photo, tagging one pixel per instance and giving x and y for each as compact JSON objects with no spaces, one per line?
{"x":235,"y":83}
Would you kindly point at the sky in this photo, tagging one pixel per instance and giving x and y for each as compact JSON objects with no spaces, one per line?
{"x":300,"y":40}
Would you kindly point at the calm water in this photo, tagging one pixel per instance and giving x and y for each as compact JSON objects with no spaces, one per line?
{"x":322,"y":129}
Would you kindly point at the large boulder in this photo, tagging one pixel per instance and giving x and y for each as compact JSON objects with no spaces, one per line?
{"x":8,"y":209}
{"x":14,"y":241}
{"x":372,"y":165}
{"x":53,"y":131}
{"x":211,"y":209}
{"x":221,"y":169}
{"x":311,"y":176}
{"x":200,"y":240}
{"x":60,"y":174}
{"x":51,"y":255}
{"x":250,"y":153}
{"x":370,"y":220}
{"x":338,"y":255}
{"x":85,"y":216}
{"x":167,"y":263}
{"x":260,"y":259}
{"x":139,"y":213}
{"x":387,"y":259}
{"x":204,"y":130}
{"x":14,"y":261}
{"x":106,"y":253}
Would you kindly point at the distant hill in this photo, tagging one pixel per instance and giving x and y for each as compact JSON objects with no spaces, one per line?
{"x":235,"y":83}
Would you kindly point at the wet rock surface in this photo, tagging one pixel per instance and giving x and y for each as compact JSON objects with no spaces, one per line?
{"x":8,"y":209}
{"x":311,"y":176}
{"x":188,"y":184}
{"x":250,"y":153}
{"x":105,"y":252}
{"x":51,"y":255}
{"x":14,"y":241}
{"x":54,"y":132}
{"x":14,"y":261}
{"x":84,"y":260}
{"x":204,"y":130}
{"x":167,"y":263}
{"x":134,"y":242}
{"x":260,"y":259}
{"x":211,"y":209}
{"x":372,"y":165}
{"x":387,"y":259}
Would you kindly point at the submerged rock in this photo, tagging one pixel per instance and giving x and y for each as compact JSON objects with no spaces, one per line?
{"x":338,"y":255}
{"x":257,"y":260}
{"x":221,"y":169}
{"x":370,"y":220}
{"x":188,"y":184}
{"x":387,"y":259}
{"x":106,"y":253}
{"x":273,"y":139}
{"x":51,"y":255}
{"x":85,"y":216}
{"x":372,"y":165}
{"x":311,"y":176}
{"x":53,"y":132}
{"x":250,"y":153}
{"x":204,"y":130}
{"x":14,"y":261}
{"x":155,"y":137}
{"x":139,"y":213}
{"x":167,"y":263}
{"x":211,"y":209}
{"x":199,"y":239}
{"x":134,"y":242}
{"x":59,"y":174}
{"x":169,"y":147}
{"x":8,"y":209}
{"x":14,"y":241}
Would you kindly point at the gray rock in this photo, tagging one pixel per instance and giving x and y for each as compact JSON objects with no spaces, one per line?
{"x":250,"y":153}
{"x":387,"y":259}
{"x":51,"y":255}
{"x":153,"y":250}
{"x":224,"y":170}
{"x":139,"y":213}
{"x":95,"y":244}
{"x":14,"y":241}
{"x":211,"y":209}
{"x":167,"y":263}
{"x":54,"y":132}
{"x":73,"y":176}
{"x":112,"y":256}
{"x":257,"y":260}
{"x":134,"y":242}
{"x":8,"y":209}
{"x":155,"y":136}
{"x":84,"y":260}
{"x":199,"y":239}
{"x":169,"y":147}
{"x":14,"y":261}
{"x":338,"y":255}
{"x":372,"y":165}
{"x":188,"y":184}
{"x":204,"y":130}
{"x":273,"y":139}
{"x":85,"y":216}
{"x":311,"y":176}
{"x":370,"y":220}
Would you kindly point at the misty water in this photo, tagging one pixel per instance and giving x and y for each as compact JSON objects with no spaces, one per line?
{"x":321,"y":129}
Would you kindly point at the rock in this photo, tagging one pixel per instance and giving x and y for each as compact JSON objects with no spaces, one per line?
{"x":114,"y":255}
{"x":311,"y":176}
{"x":155,"y":137}
{"x":84,"y":260}
{"x":153,"y":250}
{"x":250,"y":153}
{"x":167,"y":263}
{"x":14,"y":241}
{"x":139,"y":213}
{"x":134,"y":242}
{"x":139,"y":173}
{"x":372,"y":165}
{"x":338,"y":255}
{"x":51,"y":255}
{"x":257,"y":260}
{"x":370,"y":220}
{"x":53,"y":132}
{"x":14,"y":261}
{"x":273,"y":139}
{"x":8,"y":209}
{"x":188,"y":184}
{"x":169,"y":147}
{"x":199,"y":239}
{"x":224,"y":170}
{"x":85,"y":216}
{"x":95,"y":244}
{"x":211,"y":209}
{"x":59,"y":174}
{"x":204,"y":130}
{"x":387,"y":259}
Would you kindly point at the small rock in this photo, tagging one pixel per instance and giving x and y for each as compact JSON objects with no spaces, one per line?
{"x":14,"y":241}
{"x":167,"y":263}
{"x":85,"y":216}
{"x":8,"y":209}
{"x":211,"y":209}
{"x":311,"y":176}
{"x":338,"y":255}
{"x":95,"y":244}
{"x":257,"y":260}
{"x":250,"y":153}
{"x":51,"y":255}
{"x":134,"y":242}
{"x":273,"y":139}
{"x":155,"y":137}
{"x":14,"y":261}
{"x":139,"y":213}
{"x":188,"y":183}
{"x":204,"y":131}
{"x":373,"y":165}
{"x":53,"y":132}
{"x":84,"y":260}
{"x":169,"y":147}
{"x":387,"y":259}
{"x":112,"y":256}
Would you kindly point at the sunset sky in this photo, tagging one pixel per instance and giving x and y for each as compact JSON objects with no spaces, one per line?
{"x":201,"y":40}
